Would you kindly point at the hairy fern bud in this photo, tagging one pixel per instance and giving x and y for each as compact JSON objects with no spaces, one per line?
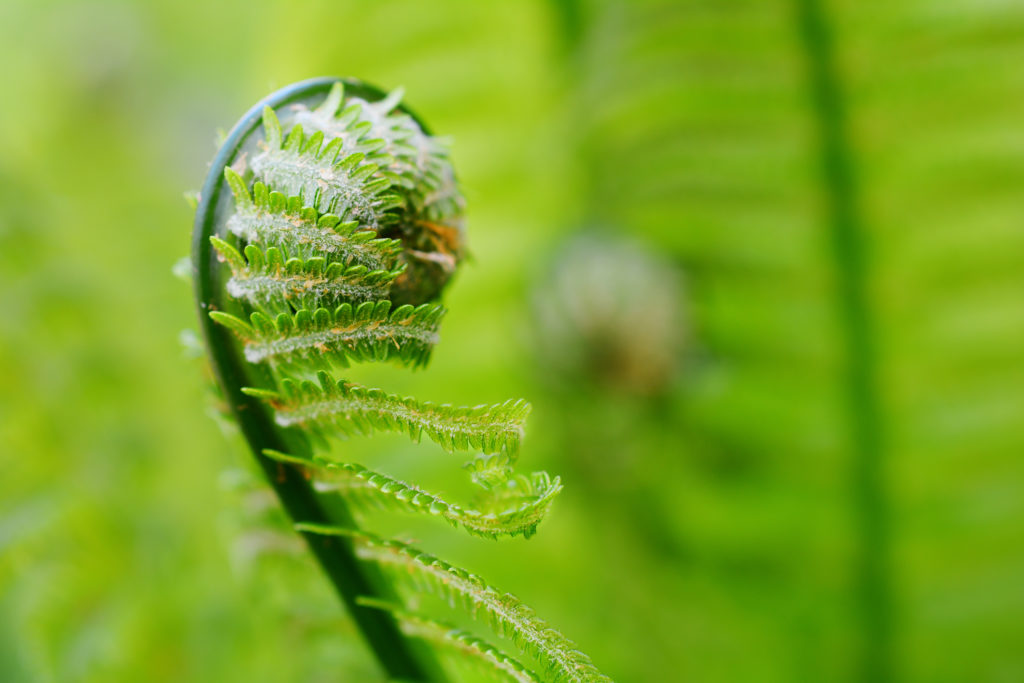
{"x":330,"y":222}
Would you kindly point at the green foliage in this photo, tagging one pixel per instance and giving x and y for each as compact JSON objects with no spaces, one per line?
{"x":325,"y":176}
{"x":270,"y":218}
{"x":314,"y":280}
{"x":699,"y":147}
{"x":419,"y":162}
{"x":349,"y":408}
{"x":272,"y":281}
{"x":505,"y":614}
{"x":463,"y":644}
{"x":370,"y":331}
{"x":515,"y":508}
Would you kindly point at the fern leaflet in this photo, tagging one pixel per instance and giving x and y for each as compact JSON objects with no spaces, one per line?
{"x":506,"y":615}
{"x":488,"y":658}
{"x":322,"y":337}
{"x":514,"y":509}
{"x":353,"y":186}
{"x":271,"y":280}
{"x":352,"y":409}
{"x":271,"y":218}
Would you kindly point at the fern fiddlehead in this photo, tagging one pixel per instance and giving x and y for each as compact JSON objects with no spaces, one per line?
{"x":321,"y":243}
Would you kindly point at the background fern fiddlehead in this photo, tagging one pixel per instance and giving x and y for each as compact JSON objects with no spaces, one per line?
{"x":321,"y":244}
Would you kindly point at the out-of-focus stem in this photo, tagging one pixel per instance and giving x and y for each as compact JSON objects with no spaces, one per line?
{"x":848,"y":241}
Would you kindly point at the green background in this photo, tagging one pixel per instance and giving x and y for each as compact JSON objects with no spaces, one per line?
{"x":711,"y":523}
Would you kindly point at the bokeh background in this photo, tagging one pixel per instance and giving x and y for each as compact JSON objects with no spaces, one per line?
{"x":785,"y":457}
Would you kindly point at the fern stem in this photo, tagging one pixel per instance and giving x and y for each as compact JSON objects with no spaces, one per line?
{"x":351,"y":577}
{"x":848,"y":241}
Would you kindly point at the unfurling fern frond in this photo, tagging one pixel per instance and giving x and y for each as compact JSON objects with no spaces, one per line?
{"x":341,"y":226}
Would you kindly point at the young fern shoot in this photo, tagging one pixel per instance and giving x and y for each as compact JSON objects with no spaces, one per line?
{"x":330,"y":222}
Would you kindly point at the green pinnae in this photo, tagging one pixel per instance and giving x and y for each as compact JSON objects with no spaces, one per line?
{"x":342,"y":225}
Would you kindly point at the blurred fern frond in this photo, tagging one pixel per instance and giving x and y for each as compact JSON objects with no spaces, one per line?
{"x":779,"y":130}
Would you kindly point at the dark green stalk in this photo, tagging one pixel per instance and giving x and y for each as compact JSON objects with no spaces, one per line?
{"x":848,"y":241}
{"x":350,"y":577}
